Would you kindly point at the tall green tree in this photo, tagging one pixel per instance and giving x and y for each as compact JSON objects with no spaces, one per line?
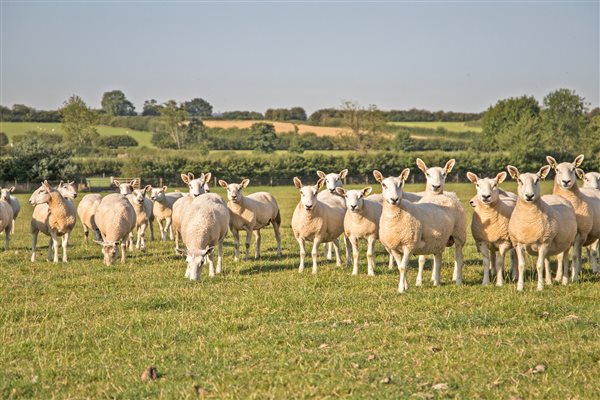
{"x":115,"y":103}
{"x":500,"y":119}
{"x":173,"y":118}
{"x":79,"y":122}
{"x":198,"y":107}
{"x":263,"y":137}
{"x":151,"y":108}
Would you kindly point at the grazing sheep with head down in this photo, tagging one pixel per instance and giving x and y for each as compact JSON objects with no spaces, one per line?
{"x":197,"y":186}
{"x":115,"y":219}
{"x":541,"y":225}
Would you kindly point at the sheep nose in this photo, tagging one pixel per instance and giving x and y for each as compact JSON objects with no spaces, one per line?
{"x":565,"y":183}
{"x":528,"y":197}
{"x":308,"y":207}
{"x":436,"y":187}
{"x":353,"y":207}
{"x":486,"y":196}
{"x":331,"y":190}
{"x":394,"y":200}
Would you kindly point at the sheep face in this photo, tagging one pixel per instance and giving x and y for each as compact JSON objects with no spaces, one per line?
{"x":109,"y":251}
{"x":125,"y":188}
{"x":333,"y":180}
{"x":566,"y":172}
{"x":5,"y":193}
{"x":234,"y":190}
{"x":158,"y":194}
{"x":487,"y":188}
{"x":67,"y":190}
{"x":139,"y":195}
{"x":198,"y":185}
{"x":436,"y":176}
{"x":355,"y":199}
{"x":195,"y":260}
{"x":590,"y":180}
{"x":41,"y":195}
{"x":528,"y":184}
{"x":308,"y":194}
{"x":391,"y":187}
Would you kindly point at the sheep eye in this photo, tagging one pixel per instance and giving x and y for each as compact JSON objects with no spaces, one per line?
{"x":383,"y":185}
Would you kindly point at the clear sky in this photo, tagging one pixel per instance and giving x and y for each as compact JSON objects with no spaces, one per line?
{"x":460,"y":56}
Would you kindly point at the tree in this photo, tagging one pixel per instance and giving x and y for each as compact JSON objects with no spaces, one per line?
{"x":499,"y":120}
{"x":115,"y":103}
{"x":79,"y":122}
{"x":403,"y":141}
{"x":37,"y":158}
{"x":263,"y":137}
{"x":365,"y":125}
{"x":172,"y":117}
{"x":151,"y":108}
{"x":198,"y":107}
{"x":297,"y":114}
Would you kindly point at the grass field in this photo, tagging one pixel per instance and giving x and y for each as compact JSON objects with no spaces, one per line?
{"x":449,"y":126}
{"x":261,"y":330}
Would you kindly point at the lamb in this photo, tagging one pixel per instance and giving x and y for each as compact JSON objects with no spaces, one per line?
{"x":126,"y":188}
{"x":163,"y":209}
{"x":316,"y":221}
{"x":361,"y":222}
{"x":6,"y":217}
{"x":197,"y":187}
{"x":489,"y":225}
{"x":142,"y":214}
{"x":86,"y":210}
{"x":587,"y":209}
{"x":407,"y":228}
{"x":13,"y":202}
{"x":54,"y":216}
{"x":204,"y":225}
{"x":251,"y":213}
{"x":115,"y":218}
{"x":542,"y":225}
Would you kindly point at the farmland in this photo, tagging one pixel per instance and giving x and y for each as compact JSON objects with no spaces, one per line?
{"x":449,"y":126}
{"x":261,"y":330}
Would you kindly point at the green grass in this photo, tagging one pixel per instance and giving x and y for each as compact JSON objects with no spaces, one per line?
{"x":449,"y":126}
{"x":19,"y":128}
{"x":261,"y":330}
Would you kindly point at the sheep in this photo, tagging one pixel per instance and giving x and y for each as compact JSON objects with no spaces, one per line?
{"x":86,"y":210}
{"x":407,"y":228}
{"x":587,"y":209}
{"x":6,"y":216}
{"x":251,"y":213}
{"x":162,"y":209}
{"x":361,"y":221}
{"x":329,"y":195}
{"x":13,"y":202}
{"x":68,"y":190}
{"x":591,"y":188}
{"x":434,"y":192}
{"x":126,"y":188}
{"x":115,"y":218}
{"x":542,"y":225}
{"x":54,"y":216}
{"x":142,"y":214}
{"x":591,"y":180}
{"x":316,"y":221}
{"x":197,"y":187}
{"x":204,"y":225}
{"x":489,"y":225}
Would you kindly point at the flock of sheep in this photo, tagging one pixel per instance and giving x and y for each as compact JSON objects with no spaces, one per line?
{"x":405,"y":223}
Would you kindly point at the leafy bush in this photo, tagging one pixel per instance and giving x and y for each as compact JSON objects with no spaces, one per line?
{"x":113,"y":142}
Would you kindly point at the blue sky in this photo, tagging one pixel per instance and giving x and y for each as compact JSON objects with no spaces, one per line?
{"x":460,"y":56}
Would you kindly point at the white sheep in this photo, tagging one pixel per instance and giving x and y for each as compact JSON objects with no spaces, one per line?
{"x":115,"y":219}
{"x":142,"y":216}
{"x":126,"y":188}
{"x":6,"y":217}
{"x":163,"y":209}
{"x":587,"y":209}
{"x":13,"y":202}
{"x":407,"y":228}
{"x":251,"y":213}
{"x":86,"y":210}
{"x":317,"y":222}
{"x":54,"y":216}
{"x":591,"y":188}
{"x":489,"y":225}
{"x":541,"y":225}
{"x":591,"y":180}
{"x":197,"y":186}
{"x":361,"y":222}
{"x":205,"y":224}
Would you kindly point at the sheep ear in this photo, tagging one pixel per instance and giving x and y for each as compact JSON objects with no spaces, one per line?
{"x":472,"y":177}
{"x":181,"y":252}
{"x":320,"y":183}
{"x":378,"y":176}
{"x":472,"y":202}
{"x":544,"y":171}
{"x":297,"y":183}
{"x":245,"y":183}
{"x":185,"y":179}
{"x":404,"y":174}
{"x":100,"y":242}
{"x":46,"y":185}
{"x":501,"y":177}
{"x":343,"y":173}
{"x":341,"y":191}
{"x":208,"y":250}
{"x":12,"y":189}
{"x":321,"y":174}
{"x":116,"y":183}
{"x":449,"y":165}
{"x":164,"y":188}
{"x":367,"y":191}
{"x":190,"y":176}
{"x":578,"y":160}
{"x":223,"y":183}
{"x":551,"y":161}
{"x":207,"y":177}
{"x":579,"y":173}
{"x":421,"y":165}
{"x":60,"y":183}
{"x":134,"y":183}
{"x":513,"y":171}
{"x":148,"y":187}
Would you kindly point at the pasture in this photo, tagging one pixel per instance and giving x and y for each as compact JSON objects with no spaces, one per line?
{"x":262,"y":330}
{"x":449,"y":126}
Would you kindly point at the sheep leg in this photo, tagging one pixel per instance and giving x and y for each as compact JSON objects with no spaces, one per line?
{"x":492,"y":261}
{"x":169,"y":227}
{"x":86,"y":234}
{"x":576,"y":259}
{"x":176,"y":241}
{"x":143,"y":235}
{"x":542,"y":255}
{"x":521,"y":267}
{"x":257,"y":238}
{"x":458,"y":263}
{"x":547,"y":279}
{"x":336,"y":247}
{"x":220,"y":258}
{"x":354,"y":243}
{"x":49,"y":257}
{"x":277,"y":238}
{"x":65,"y":242}
{"x":54,"y":236}
{"x":314,"y":253}
{"x":34,"y":236}
{"x":150,"y":222}
{"x":437,"y":266}
{"x":390,"y":259}
{"x":513,"y":264}
{"x":236,"y":244}
{"x":402,"y":263}
{"x":211,"y":265}
{"x":163,"y":234}
{"x":7,"y":236}
{"x":329,"y":251}
{"x":565,"y":267}
{"x":130,"y":241}
{"x":302,"y":253}
{"x":502,"y":249}
{"x":370,"y":255}
{"x":484,"y":249}
{"x":559,"y":264}
{"x":419,"y":280}
{"x":561,"y":272}
{"x":248,"y":241}
{"x":349,"y":249}
{"x":123,"y":248}
{"x":12,"y":228}
{"x":595,"y":255}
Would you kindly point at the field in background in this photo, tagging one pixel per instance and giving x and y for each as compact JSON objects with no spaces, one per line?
{"x":280,"y":127}
{"x":449,"y":126}
{"x":261,"y":330}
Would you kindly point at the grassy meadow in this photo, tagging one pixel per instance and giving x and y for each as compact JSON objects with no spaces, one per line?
{"x":449,"y":126}
{"x":262,"y":330}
